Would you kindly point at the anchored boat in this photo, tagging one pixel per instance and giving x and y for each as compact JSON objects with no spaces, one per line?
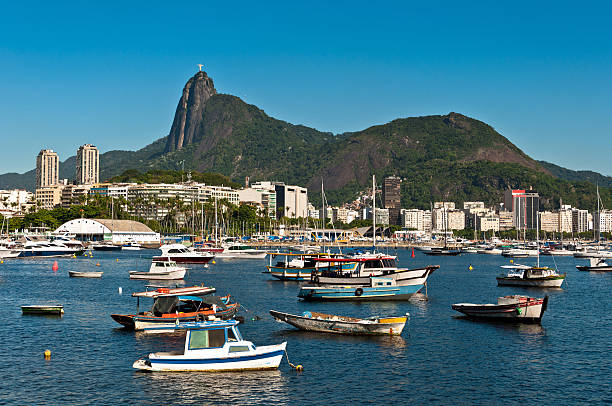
{"x":214,"y":346}
{"x":380,"y":288}
{"x":596,"y":265}
{"x":93,"y":274}
{"x":329,"y":323}
{"x":183,"y":255}
{"x":161,"y":270}
{"x":514,"y":308}
{"x":53,"y":310}
{"x":531,"y":276}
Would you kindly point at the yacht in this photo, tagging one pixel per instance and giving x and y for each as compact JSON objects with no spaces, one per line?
{"x":183,"y":255}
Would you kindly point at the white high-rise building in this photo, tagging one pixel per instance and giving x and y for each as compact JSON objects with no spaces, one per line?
{"x":88,"y":165}
{"x":47,"y":168}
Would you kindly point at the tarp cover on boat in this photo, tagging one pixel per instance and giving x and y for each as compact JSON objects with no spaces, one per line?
{"x":170,"y":304}
{"x":165,"y":305}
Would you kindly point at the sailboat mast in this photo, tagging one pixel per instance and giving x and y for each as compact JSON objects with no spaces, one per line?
{"x":374,"y":211}
{"x":538,"y":237}
{"x":324,"y":215}
{"x":216,"y":224}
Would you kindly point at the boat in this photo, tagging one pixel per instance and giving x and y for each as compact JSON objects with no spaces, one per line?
{"x":106,"y":246}
{"x":519,"y":253}
{"x":297,"y":267}
{"x":531,"y":276}
{"x":359,"y":270}
{"x":596,"y":265}
{"x":329,"y":323}
{"x":183,"y":255}
{"x":513,"y":308}
{"x":53,"y":310}
{"x":169,"y":310}
{"x":131,"y":246}
{"x":379,"y":289}
{"x":443,"y":251}
{"x":214,"y":346}
{"x":161,"y":269}
{"x":238,"y":250}
{"x":8,"y":252}
{"x":34,"y":247}
{"x":559,"y":252}
{"x":75,"y":274}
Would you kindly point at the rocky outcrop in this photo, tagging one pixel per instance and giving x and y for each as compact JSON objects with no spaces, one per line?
{"x":188,"y":117}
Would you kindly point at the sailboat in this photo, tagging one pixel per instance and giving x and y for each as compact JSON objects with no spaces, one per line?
{"x":531,"y":276}
{"x":444,"y":250}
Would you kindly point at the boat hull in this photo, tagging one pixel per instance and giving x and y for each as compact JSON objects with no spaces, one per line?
{"x":56,"y":310}
{"x":341,"y":325}
{"x":172,"y":275}
{"x":263,"y":358}
{"x":607,"y":268}
{"x":404,"y":277}
{"x":291,"y":274}
{"x":200,"y":259}
{"x":530,"y":312}
{"x":227,"y":254}
{"x":548,"y":282}
{"x":74,"y":274}
{"x":365,"y":293}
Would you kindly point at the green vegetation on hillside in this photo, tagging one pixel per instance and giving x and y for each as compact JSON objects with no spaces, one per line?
{"x":168,"y":176}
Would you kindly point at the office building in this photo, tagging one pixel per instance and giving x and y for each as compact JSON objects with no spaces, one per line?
{"x":391,"y":197}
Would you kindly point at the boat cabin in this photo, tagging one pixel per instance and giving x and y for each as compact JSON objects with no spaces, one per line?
{"x":222,"y":336}
{"x":359,"y":267}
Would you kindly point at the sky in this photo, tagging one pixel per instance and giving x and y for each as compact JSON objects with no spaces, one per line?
{"x":111,"y":73}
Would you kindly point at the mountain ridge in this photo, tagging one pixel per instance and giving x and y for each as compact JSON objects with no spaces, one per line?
{"x":217,"y":132}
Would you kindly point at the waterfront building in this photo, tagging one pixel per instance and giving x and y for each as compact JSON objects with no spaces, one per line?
{"x":268,"y":197}
{"x":413,"y":219}
{"x":549,"y":221}
{"x":114,"y":190}
{"x":506,"y":220}
{"x":449,"y":219}
{"x":155,"y":201}
{"x":340,"y":214}
{"x":291,"y":201}
{"x":74,"y":194}
{"x":565,"y":219}
{"x":48,"y":197}
{"x":487,"y":223}
{"x":114,"y":231}
{"x":87,"y":165}
{"x":382,"y":216}
{"x":47,"y":169}
{"x":602,"y":221}
{"x":313,"y":213}
{"x":473,"y":207}
{"x":391,"y":198}
{"x":444,"y":205}
{"x":580,"y":220}
{"x":524,"y":206}
{"x":15,"y":202}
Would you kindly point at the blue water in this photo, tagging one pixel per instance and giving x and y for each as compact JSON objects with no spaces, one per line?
{"x":439,"y":358}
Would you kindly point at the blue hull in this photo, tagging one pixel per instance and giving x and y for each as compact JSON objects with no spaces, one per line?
{"x":28,"y":254}
{"x":336,"y":293}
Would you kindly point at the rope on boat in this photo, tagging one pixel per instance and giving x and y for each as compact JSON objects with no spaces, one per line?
{"x":298,"y":367}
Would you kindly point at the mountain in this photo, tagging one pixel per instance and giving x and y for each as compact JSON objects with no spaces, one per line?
{"x":451,"y":157}
{"x":577,"y":176}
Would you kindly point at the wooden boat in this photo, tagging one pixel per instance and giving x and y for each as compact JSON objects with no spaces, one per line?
{"x":214,"y":346}
{"x":172,"y":306}
{"x":55,"y":310}
{"x":380,"y":288}
{"x":596,"y":265}
{"x":531,"y":276}
{"x":328,"y":323}
{"x":161,"y":270}
{"x":300,"y":267}
{"x":75,"y":274}
{"x":514,"y":308}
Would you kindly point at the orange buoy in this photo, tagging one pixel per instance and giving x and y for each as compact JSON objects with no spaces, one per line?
{"x":98,"y":264}
{"x":55,"y":266}
{"x":412,"y":255}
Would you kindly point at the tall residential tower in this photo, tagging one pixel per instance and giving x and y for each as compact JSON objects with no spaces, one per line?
{"x":47,"y":168}
{"x":87,"y":165}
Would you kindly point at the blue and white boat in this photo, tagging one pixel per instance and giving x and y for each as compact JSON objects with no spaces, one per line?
{"x":380,"y":288}
{"x":214,"y":346}
{"x":45,"y":248}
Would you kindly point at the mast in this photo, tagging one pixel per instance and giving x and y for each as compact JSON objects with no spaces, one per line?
{"x":374,"y":212}
{"x":324,"y":215}
{"x":216,"y":224}
{"x":598,"y":220}
{"x":538,"y":237}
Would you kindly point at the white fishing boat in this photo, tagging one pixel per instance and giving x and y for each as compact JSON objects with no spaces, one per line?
{"x":214,"y":346}
{"x":514,"y":308}
{"x":530,"y":276}
{"x":131,"y":246}
{"x":595,"y":265}
{"x":330,"y":323}
{"x":167,"y":270}
{"x":75,"y":274}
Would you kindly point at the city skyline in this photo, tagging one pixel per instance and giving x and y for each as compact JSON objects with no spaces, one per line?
{"x":544,"y":87}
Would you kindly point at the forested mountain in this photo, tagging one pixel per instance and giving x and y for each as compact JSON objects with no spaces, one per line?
{"x":451,"y":157}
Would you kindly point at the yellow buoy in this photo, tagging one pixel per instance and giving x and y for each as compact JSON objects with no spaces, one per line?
{"x":471,"y":267}
{"x":213,"y":261}
{"x":117,"y":260}
{"x":47,"y":354}
{"x":299,"y":368}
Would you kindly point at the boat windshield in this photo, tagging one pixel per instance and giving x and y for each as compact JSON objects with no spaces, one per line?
{"x":199,"y":339}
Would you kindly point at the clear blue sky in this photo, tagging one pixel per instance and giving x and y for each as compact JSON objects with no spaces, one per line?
{"x":111,"y":74}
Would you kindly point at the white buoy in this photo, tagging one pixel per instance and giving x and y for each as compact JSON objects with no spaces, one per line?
{"x":120,"y":290}
{"x":205,"y":265}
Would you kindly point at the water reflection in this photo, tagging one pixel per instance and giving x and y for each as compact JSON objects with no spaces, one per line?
{"x":383,"y":341}
{"x":249,"y":387}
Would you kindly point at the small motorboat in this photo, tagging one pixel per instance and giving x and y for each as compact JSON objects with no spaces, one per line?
{"x":442,"y":251}
{"x":131,"y":246}
{"x":329,"y":323}
{"x":531,"y":276}
{"x":107,"y":246}
{"x":53,"y":310}
{"x":238,"y":250}
{"x":596,"y":265}
{"x":513,"y":308}
{"x":75,"y":274}
{"x":161,"y":270}
{"x":380,"y":288}
{"x":183,"y":255}
{"x":214,"y":346}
